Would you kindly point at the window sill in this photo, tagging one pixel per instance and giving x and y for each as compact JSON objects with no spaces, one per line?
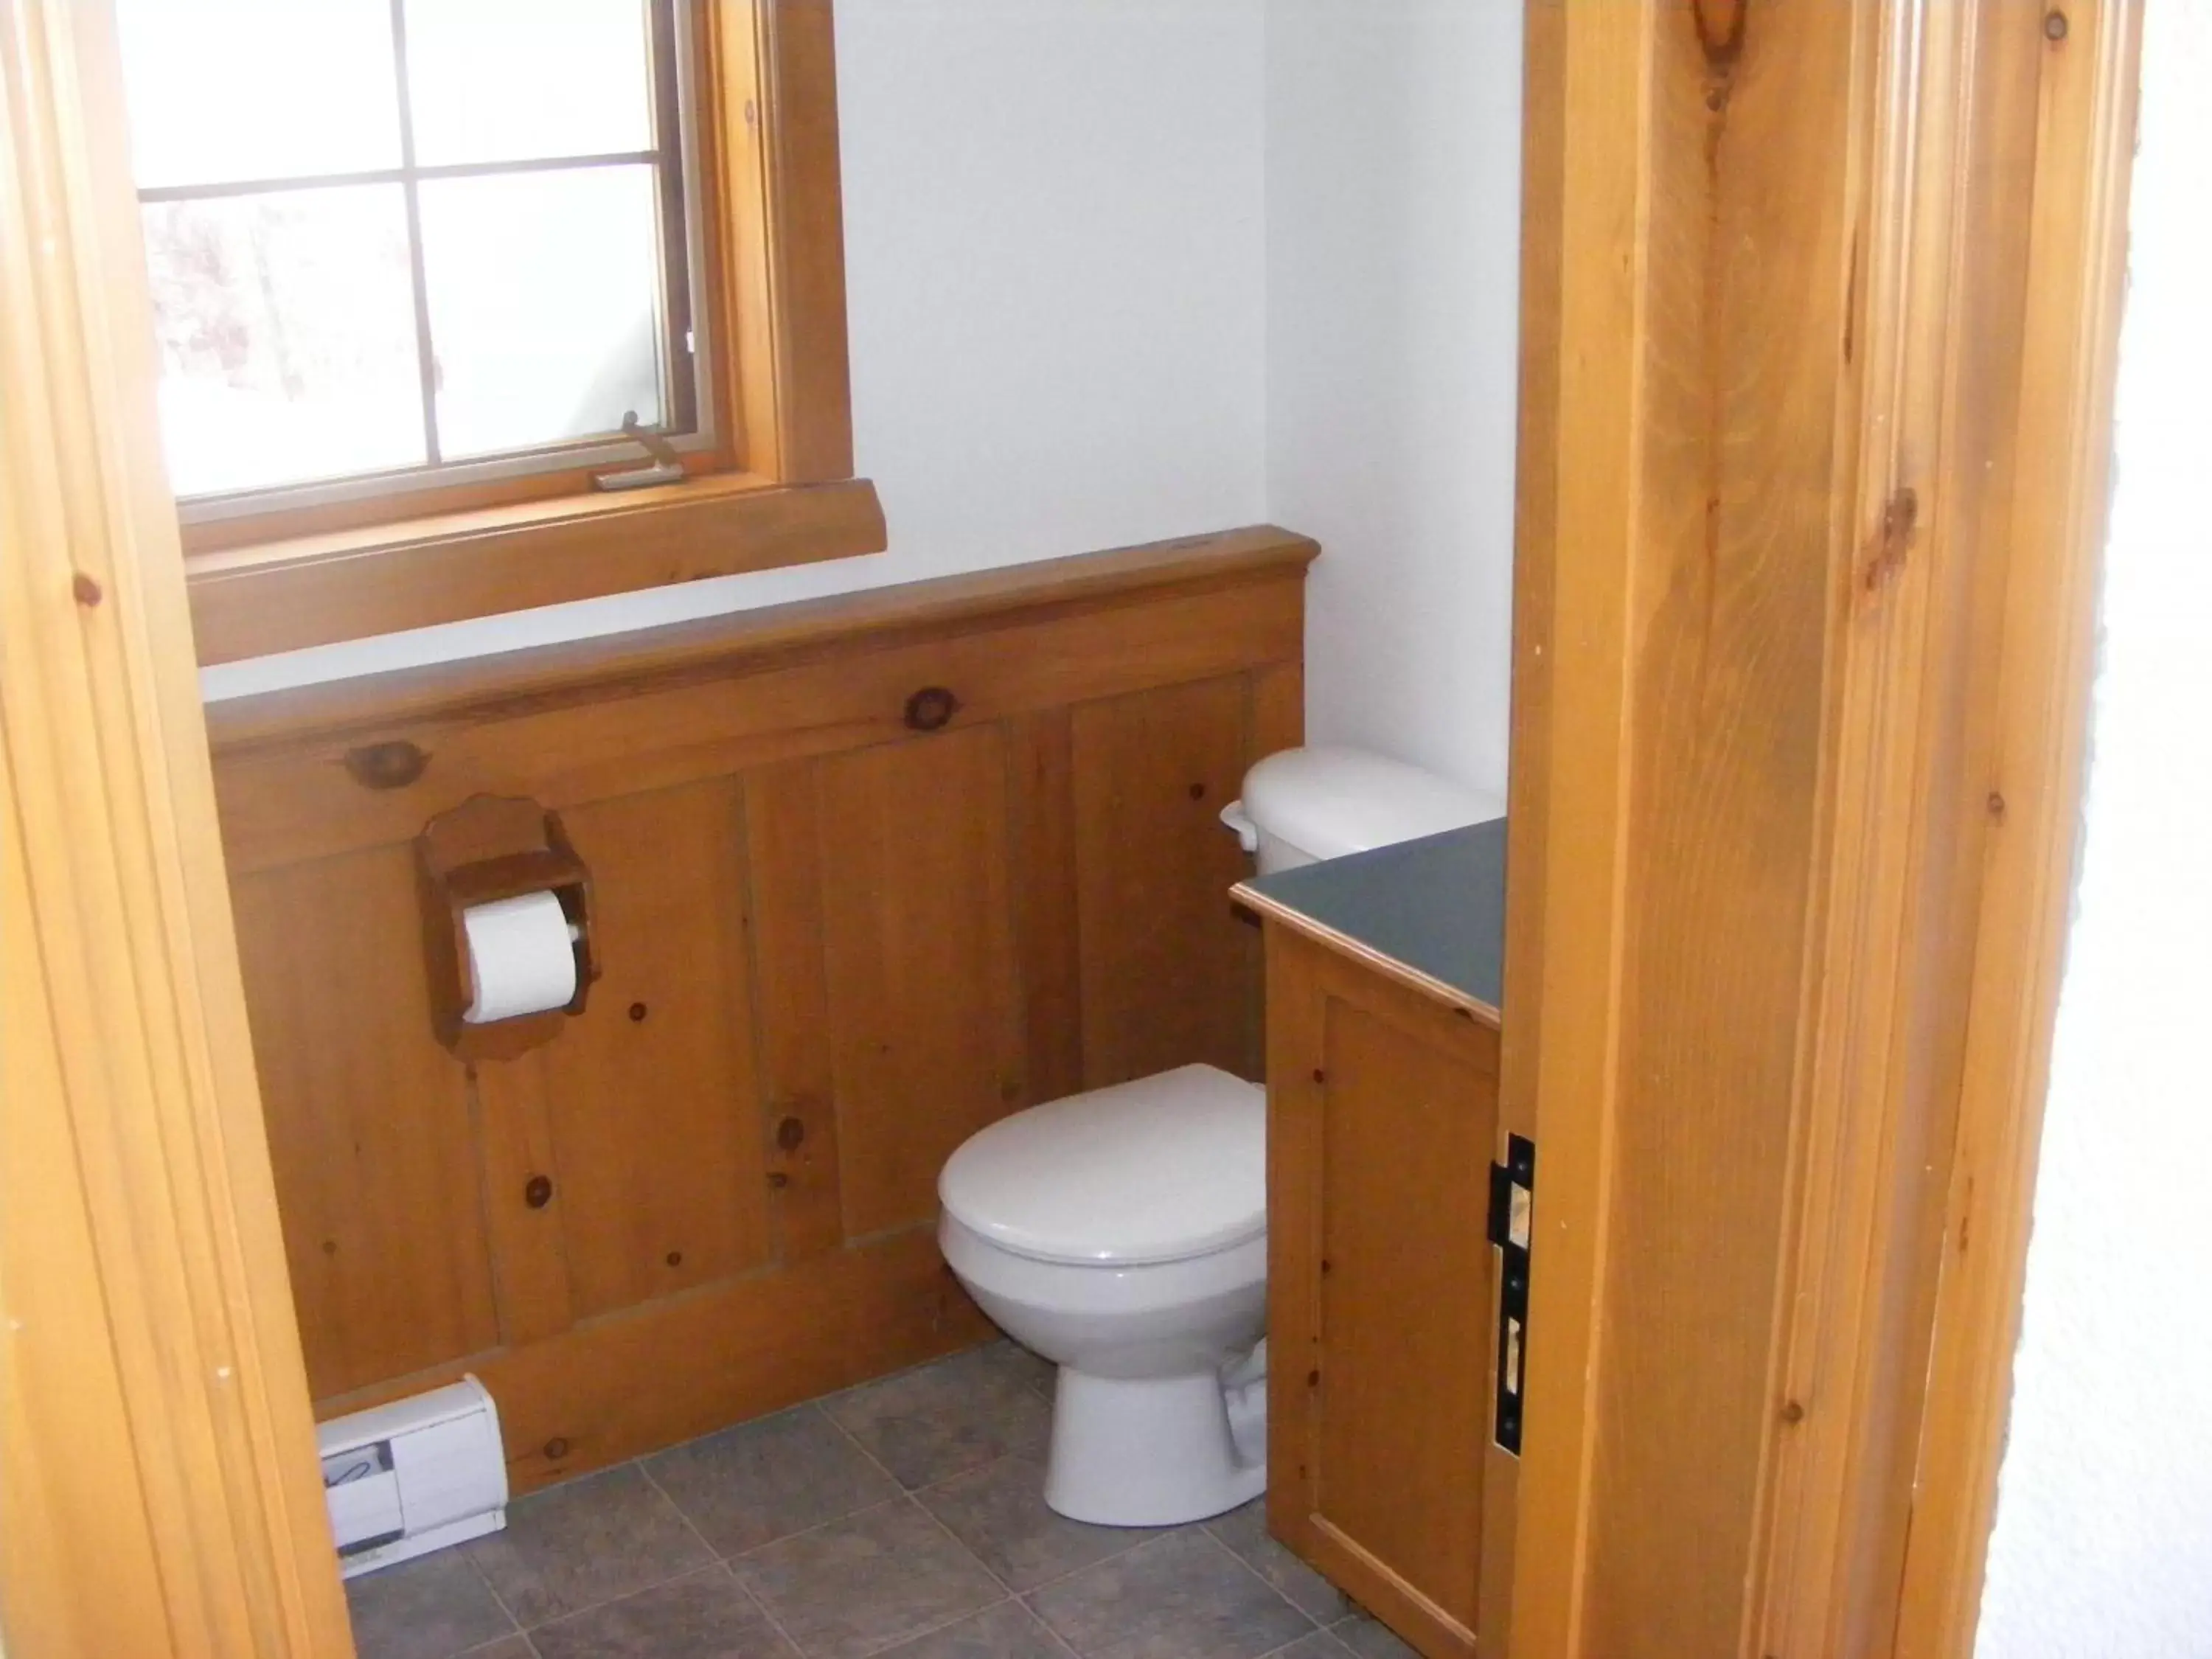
{"x":318,"y":589}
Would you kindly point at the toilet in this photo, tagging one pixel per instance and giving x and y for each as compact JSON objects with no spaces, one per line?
{"x":1123,"y":1233}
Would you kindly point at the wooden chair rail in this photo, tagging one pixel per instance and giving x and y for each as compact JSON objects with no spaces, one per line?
{"x":717,"y":647}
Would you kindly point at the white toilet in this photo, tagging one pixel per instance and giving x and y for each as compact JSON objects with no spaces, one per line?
{"x":1123,"y":1233}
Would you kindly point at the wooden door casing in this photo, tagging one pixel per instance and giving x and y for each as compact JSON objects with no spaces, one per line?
{"x":834,"y":947}
{"x":1820,"y":307}
{"x":1383,"y":1120}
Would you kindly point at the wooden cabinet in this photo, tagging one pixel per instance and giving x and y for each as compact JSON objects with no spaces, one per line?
{"x":1382,"y":1121}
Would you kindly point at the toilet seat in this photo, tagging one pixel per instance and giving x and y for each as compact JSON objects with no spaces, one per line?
{"x":1161,"y":1169}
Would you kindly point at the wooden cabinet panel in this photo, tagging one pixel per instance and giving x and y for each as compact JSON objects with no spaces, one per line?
{"x":1167,"y":966}
{"x":1382,"y":1112}
{"x":926,"y":1025}
{"x":369,"y":1122}
{"x":653,"y":1098}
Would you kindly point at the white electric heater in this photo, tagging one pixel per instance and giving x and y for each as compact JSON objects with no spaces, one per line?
{"x":414,"y":1476}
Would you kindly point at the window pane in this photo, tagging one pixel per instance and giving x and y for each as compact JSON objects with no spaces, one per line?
{"x":545,"y":305}
{"x":222,"y":90}
{"x":520,"y":80}
{"x":286,"y":324}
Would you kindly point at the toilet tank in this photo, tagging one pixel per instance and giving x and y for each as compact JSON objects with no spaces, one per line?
{"x":1304,"y":805}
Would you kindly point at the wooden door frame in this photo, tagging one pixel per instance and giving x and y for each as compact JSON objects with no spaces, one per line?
{"x":1991,"y":196}
{"x":159,"y":1492}
{"x":159,"y":1483}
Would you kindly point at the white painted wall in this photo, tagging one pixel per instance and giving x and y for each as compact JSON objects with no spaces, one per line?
{"x":1393,"y":177}
{"x":2103,"y":1543}
{"x":1056,"y":284}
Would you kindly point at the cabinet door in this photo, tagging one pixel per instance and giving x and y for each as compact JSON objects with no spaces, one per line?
{"x":1382,"y":1110}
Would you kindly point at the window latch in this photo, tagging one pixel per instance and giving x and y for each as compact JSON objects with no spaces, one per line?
{"x":665,"y":467}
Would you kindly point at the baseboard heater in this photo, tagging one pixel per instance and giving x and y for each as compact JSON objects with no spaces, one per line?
{"x":413,"y":1476}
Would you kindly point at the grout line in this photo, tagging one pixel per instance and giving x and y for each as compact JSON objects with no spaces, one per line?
{"x":1360,"y":1616}
{"x":1312,"y":1623}
{"x":683,"y":1514}
{"x":1145,"y":1535}
{"x":723,"y":1563}
{"x":1151,"y":1536}
{"x":853,"y":1441}
{"x":712,"y":1558}
{"x":903,"y":1370}
{"x":492,"y":1589}
{"x":1350,"y":1607}
{"x":766,"y":1612}
{"x":819,"y":1526}
{"x":958,"y":1543}
{"x":931,"y":1630}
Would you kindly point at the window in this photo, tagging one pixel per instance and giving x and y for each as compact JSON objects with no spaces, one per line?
{"x":416,"y":265}
{"x":396,"y":243}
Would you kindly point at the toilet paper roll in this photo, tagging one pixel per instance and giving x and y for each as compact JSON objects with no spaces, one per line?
{"x":520,"y":956}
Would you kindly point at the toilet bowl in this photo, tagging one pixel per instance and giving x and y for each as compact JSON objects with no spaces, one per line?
{"x":1121,"y":1233}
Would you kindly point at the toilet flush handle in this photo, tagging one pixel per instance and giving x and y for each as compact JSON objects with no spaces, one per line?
{"x":1248,"y":833}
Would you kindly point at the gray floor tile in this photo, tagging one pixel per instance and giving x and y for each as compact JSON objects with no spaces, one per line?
{"x":865,"y":1582}
{"x":1033,"y":1369}
{"x":1371,"y":1638}
{"x":705,"y":1615}
{"x":1009,"y":1631}
{"x":999,"y":1511}
{"x":943,"y":1420}
{"x":1319,"y":1645}
{"x":761,"y":1481}
{"x":1180,"y":1596}
{"x":428,"y":1608}
{"x":584,"y":1542}
{"x":507,"y":1647}
{"x":1245,"y":1532}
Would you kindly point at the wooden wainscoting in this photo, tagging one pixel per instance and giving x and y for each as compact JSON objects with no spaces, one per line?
{"x":834,"y":947}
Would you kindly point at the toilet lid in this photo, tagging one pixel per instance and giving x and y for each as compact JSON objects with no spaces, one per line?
{"x":1159,"y":1169}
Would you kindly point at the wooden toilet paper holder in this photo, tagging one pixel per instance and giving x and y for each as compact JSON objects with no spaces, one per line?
{"x":489,"y":847}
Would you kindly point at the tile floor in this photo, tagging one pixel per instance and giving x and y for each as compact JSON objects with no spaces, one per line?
{"x":901,"y":1518}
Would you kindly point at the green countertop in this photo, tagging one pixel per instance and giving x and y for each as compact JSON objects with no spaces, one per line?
{"x":1435,"y":905}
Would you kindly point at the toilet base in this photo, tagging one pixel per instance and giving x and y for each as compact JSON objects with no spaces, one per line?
{"x":1155,"y":1451}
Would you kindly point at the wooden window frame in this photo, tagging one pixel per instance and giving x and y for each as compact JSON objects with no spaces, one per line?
{"x":686,"y":412}
{"x":776,"y":489}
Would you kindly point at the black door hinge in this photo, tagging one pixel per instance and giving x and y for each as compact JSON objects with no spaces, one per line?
{"x":1512,"y":1225}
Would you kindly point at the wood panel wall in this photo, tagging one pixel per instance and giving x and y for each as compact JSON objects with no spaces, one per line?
{"x":834,"y":947}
